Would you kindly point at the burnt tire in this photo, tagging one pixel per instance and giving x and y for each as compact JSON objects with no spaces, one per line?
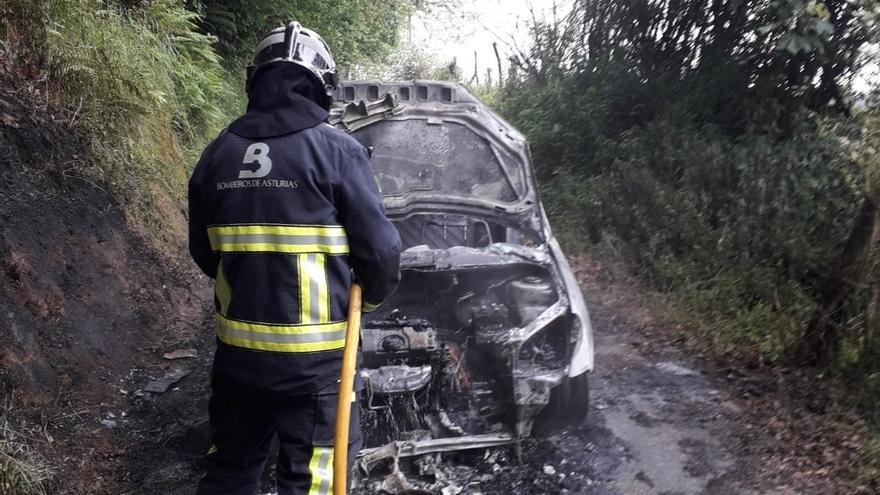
{"x":568,"y":408}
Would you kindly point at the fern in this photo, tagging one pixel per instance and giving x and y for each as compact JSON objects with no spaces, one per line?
{"x":149,"y":84}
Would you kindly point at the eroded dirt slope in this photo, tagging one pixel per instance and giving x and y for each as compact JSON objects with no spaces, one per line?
{"x":84,"y":304}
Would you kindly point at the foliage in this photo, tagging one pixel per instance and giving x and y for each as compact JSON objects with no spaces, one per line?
{"x":716,"y":148}
{"x":404,"y":63}
{"x":356,"y":30}
{"x":711,"y":144}
{"x":129,"y":64}
{"x":143,"y":84}
{"x":792,"y":51}
{"x":740,"y":229}
{"x":22,"y":471}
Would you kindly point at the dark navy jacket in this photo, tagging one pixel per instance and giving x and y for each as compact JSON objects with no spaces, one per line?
{"x":283,"y":208}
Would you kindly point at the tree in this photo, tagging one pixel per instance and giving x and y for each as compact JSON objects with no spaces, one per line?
{"x":711,"y":143}
{"x":794,"y":51}
{"x":843,"y":297}
{"x":356,"y":30}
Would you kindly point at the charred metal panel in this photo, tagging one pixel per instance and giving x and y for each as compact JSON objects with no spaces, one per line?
{"x":443,"y":231}
{"x":488,"y":318}
{"x":383,"y":340}
{"x":397,"y":378}
{"x":405,"y":90}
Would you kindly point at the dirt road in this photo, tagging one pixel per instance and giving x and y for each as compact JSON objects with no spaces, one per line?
{"x":658,"y":423}
{"x":666,"y":420}
{"x":662,"y":421}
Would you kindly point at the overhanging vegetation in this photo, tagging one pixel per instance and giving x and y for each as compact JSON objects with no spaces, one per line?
{"x":716,"y":147}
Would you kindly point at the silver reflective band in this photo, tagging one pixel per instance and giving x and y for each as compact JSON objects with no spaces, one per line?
{"x":294,"y":239}
{"x":314,"y":296}
{"x":321,"y":469}
{"x":306,"y":338}
{"x":281,"y":338}
{"x":281,"y":239}
{"x":270,"y":40}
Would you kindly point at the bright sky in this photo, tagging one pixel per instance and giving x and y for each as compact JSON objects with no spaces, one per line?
{"x":870,"y":73}
{"x":474,"y":26}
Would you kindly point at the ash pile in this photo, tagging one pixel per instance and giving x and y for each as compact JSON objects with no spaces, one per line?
{"x":560,"y":464}
{"x":385,"y":472}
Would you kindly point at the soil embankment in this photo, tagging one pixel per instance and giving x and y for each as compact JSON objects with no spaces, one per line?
{"x":86,"y":305}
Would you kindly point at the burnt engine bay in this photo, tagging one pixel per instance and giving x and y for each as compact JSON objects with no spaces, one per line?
{"x":439,"y":361}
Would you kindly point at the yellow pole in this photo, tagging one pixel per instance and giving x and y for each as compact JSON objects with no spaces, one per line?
{"x":346,"y":389}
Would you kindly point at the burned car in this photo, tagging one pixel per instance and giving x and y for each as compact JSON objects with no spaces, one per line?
{"x":488,"y":331}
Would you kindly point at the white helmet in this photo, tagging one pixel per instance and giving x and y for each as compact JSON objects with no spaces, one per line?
{"x":297,"y":45}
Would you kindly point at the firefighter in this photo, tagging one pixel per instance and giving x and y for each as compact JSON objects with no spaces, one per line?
{"x":284,"y":212}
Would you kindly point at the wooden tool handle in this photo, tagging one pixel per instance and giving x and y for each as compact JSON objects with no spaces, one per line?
{"x":346,"y":391}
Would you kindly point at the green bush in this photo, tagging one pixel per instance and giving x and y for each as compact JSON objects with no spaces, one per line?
{"x":355,"y":30}
{"x":740,"y":228}
{"x":144,"y":81}
{"x":149,"y":85}
{"x":139,"y":82}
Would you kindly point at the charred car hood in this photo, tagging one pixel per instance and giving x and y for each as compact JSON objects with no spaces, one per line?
{"x":451,"y":157}
{"x":460,"y":257}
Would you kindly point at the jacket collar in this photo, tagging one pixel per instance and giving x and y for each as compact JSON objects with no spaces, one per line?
{"x":282,"y":100}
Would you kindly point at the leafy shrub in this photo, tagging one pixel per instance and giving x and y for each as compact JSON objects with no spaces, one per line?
{"x":146,"y":77}
{"x":146,"y":83}
{"x":741,"y":228}
{"x":147,"y":88}
{"x":355,"y":30}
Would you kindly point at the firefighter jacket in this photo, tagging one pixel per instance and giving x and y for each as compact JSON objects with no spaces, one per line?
{"x":283,"y":208}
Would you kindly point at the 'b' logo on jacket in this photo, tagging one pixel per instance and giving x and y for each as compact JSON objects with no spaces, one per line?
{"x":256,"y":153}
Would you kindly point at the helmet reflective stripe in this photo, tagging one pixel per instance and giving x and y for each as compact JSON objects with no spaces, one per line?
{"x":298,"y":45}
{"x":292,"y":34}
{"x":275,"y":37}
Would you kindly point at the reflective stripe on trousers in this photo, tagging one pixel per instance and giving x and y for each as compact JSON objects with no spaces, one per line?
{"x":321,"y":469}
{"x":244,"y":423}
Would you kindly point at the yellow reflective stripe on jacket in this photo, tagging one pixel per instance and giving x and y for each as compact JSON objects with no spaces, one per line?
{"x":321,"y":469}
{"x":314,"y":296}
{"x":329,"y":239}
{"x":282,"y":338}
{"x":222,"y":290}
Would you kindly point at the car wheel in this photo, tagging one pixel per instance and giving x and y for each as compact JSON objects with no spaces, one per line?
{"x":569,"y":405}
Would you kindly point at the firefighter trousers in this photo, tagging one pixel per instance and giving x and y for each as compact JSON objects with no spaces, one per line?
{"x":243,"y":424}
